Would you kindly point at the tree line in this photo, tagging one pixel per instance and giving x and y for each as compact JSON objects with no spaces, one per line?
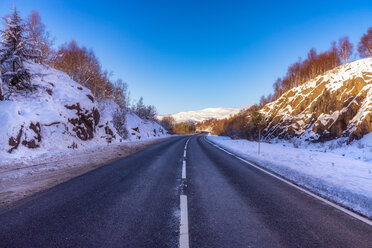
{"x":172,"y":127}
{"x":244,"y":125}
{"x":26,"y":40}
{"x":316,"y":64}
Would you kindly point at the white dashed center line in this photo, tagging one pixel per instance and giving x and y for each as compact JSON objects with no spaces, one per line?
{"x":184,"y":222}
{"x":184,"y":169}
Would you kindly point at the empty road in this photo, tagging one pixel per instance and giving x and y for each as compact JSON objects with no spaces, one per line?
{"x":135,"y":202}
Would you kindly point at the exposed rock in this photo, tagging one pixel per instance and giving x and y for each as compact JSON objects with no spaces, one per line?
{"x":49,"y":91}
{"x":37,"y":129}
{"x":90,"y":98}
{"x":109,"y":133}
{"x":14,"y":142}
{"x":337,"y":104}
{"x":85,"y":123}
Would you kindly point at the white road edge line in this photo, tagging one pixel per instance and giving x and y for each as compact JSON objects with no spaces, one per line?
{"x":351,"y":213}
{"x":184,"y":223}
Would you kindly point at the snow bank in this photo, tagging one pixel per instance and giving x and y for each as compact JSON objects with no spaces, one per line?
{"x":335,"y":174}
{"x":139,"y":129}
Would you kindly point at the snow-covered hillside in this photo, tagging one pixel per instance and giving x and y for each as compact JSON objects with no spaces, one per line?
{"x":336,"y":104}
{"x":204,"y":114}
{"x":60,"y":114}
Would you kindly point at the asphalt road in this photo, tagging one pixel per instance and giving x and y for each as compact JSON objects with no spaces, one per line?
{"x":134,"y":202}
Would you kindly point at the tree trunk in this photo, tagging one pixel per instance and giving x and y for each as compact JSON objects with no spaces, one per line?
{"x":1,"y":89}
{"x":345,"y":55}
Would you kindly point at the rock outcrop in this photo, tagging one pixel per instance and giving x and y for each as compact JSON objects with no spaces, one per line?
{"x":336,"y":104}
{"x":60,"y":114}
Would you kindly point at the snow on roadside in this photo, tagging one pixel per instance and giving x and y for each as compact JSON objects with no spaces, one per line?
{"x":335,"y":175}
{"x":357,"y":149}
{"x":59,"y":155}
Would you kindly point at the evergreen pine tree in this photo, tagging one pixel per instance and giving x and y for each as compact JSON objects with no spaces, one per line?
{"x":14,"y":51}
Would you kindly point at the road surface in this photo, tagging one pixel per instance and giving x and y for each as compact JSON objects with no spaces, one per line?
{"x":135,"y":202}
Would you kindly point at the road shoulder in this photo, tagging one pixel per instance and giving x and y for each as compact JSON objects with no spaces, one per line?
{"x":20,"y":180}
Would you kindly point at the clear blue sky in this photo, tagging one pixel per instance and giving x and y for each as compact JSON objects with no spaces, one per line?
{"x":187,"y":55}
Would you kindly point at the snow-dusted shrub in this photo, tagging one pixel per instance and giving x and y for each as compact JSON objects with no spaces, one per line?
{"x":119,"y":120}
{"x":144,"y":112}
{"x":168,"y":122}
{"x":296,"y":143}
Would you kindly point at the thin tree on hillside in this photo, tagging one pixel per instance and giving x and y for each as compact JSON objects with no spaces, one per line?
{"x":365,"y":44}
{"x":120,"y":93}
{"x":334,"y":57}
{"x":258,"y":120}
{"x":15,"y":51}
{"x":108,"y":87}
{"x":278,"y":88}
{"x":345,"y":48}
{"x":39,"y":38}
{"x":311,"y":61}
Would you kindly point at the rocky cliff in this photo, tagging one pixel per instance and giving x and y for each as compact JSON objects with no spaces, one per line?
{"x":336,"y":104}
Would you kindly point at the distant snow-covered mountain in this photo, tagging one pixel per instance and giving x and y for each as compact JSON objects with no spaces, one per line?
{"x":204,"y":114}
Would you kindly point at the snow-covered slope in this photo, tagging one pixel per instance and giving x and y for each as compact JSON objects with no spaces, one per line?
{"x":336,"y":104}
{"x":60,"y":114}
{"x":205,"y":114}
{"x":139,"y":129}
